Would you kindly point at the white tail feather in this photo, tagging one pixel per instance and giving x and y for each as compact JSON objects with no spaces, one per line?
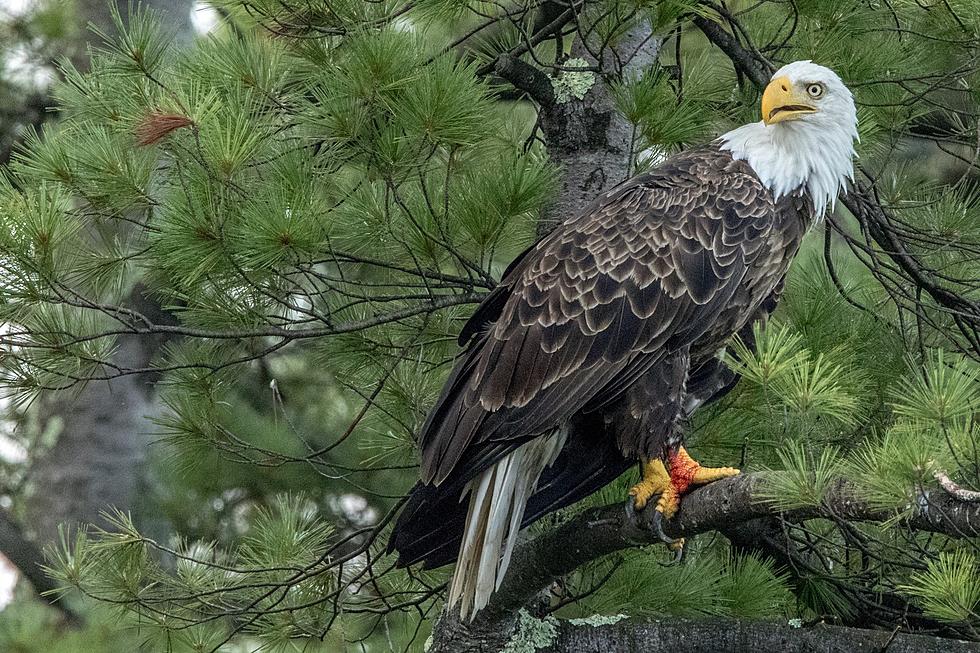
{"x":497,"y":501}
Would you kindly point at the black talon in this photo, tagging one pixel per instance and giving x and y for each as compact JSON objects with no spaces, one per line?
{"x":657,"y":525}
{"x":630,"y":509}
{"x":678,"y":558}
{"x":679,"y":554}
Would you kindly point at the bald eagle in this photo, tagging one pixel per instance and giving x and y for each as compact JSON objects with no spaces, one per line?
{"x":606,"y":334}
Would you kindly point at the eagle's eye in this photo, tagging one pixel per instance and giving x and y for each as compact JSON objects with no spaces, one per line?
{"x":814,"y":90}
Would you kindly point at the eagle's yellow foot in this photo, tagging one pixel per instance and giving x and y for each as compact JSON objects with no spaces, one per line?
{"x":655,"y":481}
{"x":684,"y":473}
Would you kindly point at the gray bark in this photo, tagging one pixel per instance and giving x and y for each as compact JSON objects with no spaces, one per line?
{"x":99,"y":457}
{"x":487,"y":633}
{"x":589,"y":139}
{"x":736,"y":636}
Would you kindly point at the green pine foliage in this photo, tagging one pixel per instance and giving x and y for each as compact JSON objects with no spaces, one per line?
{"x":948,"y":588}
{"x":729,"y":585}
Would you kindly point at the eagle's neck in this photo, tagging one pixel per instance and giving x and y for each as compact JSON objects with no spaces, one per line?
{"x":817,"y":154}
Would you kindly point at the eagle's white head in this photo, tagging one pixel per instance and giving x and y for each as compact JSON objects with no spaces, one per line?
{"x":806,"y":136}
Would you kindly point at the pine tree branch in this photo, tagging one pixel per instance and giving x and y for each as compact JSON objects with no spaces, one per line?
{"x":961,"y":493}
{"x":714,"y":635}
{"x":745,"y":61}
{"x":598,"y":532}
{"x":136,"y":323}
{"x":525,"y":77}
{"x":861,"y":202}
{"x":601,"y":531}
{"x":540,"y":35}
{"x":872,"y":605}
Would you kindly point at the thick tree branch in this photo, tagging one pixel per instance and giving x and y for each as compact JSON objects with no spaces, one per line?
{"x":601,"y":531}
{"x":746,"y":62}
{"x":720,"y":635}
{"x":525,"y":77}
{"x":597,"y":532}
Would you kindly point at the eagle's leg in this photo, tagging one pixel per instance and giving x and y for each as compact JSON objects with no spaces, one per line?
{"x":685,"y":472}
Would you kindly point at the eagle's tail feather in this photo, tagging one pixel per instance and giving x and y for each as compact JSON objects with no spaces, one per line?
{"x":497,"y":498}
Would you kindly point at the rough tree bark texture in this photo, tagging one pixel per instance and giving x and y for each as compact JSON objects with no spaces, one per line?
{"x":589,"y":140}
{"x":734,"y":636}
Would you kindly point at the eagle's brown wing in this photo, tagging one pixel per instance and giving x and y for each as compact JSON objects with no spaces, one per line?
{"x":645,"y":270}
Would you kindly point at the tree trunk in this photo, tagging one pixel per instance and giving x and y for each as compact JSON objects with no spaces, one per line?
{"x":589,"y":139}
{"x":99,"y":457}
{"x":29,"y":560}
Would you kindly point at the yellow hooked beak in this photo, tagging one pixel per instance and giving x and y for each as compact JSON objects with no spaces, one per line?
{"x":783,"y":101}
